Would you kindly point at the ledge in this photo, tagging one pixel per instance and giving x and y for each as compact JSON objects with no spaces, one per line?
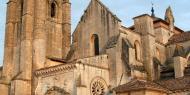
{"x":54,"y":69}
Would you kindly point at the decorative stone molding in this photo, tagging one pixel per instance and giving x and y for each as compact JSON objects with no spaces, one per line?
{"x":54,"y":69}
{"x":96,"y":61}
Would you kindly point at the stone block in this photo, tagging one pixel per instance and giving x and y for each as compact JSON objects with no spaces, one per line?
{"x":4,"y":89}
{"x":20,"y":87}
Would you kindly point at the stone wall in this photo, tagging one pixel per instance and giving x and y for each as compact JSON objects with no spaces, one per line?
{"x":75,"y":78}
{"x":162,"y":34}
{"x":91,"y":70}
{"x":98,"y":20}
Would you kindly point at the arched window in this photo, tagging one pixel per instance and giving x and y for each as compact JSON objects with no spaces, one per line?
{"x":137,"y":50}
{"x":53,"y":9}
{"x":21,"y":10}
{"x":95,"y":44}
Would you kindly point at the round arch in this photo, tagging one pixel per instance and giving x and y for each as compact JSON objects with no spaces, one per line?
{"x":56,"y":91}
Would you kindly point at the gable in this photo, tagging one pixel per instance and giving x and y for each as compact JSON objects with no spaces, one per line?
{"x":92,"y":9}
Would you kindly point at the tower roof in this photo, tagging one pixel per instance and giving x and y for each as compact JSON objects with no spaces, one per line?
{"x":152,"y":10}
{"x":169,"y":15}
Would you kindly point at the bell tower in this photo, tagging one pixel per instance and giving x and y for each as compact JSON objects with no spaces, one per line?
{"x":17,"y":64}
{"x":52,"y":30}
{"x":35,"y":31}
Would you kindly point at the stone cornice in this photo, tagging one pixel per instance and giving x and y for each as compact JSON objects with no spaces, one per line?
{"x":54,"y":69}
{"x":94,"y":65}
{"x":100,"y":61}
{"x":95,"y":61}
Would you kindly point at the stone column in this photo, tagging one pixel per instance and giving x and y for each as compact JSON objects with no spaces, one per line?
{"x":9,"y":49}
{"x":66,"y":27}
{"x":9,"y":40}
{"x":24,"y":79}
{"x":39,"y":40}
{"x":26,"y":40}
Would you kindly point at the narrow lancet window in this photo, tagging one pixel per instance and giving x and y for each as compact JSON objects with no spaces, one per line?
{"x":22,"y":8}
{"x":53,"y":9}
{"x":95,"y":43}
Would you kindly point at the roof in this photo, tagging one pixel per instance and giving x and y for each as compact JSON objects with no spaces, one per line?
{"x":138,"y":85}
{"x":57,"y":59}
{"x":142,"y":16}
{"x":176,"y":85}
{"x":177,"y":38}
{"x":156,"y":20}
{"x":168,"y":86}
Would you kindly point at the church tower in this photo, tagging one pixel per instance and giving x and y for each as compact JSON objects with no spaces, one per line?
{"x":169,"y":18}
{"x":52,"y":28}
{"x":35,"y":30}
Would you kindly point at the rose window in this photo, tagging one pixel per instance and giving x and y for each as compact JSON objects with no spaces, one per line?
{"x":98,"y":87}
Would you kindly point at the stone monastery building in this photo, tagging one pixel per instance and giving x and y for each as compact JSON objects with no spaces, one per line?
{"x":152,"y":57}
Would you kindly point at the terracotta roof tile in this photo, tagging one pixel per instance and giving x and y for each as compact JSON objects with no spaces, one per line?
{"x":168,"y":86}
{"x":138,"y":85}
{"x":176,"y":85}
{"x":176,"y":38}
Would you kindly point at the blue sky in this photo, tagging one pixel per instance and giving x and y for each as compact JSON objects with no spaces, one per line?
{"x":124,"y":9}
